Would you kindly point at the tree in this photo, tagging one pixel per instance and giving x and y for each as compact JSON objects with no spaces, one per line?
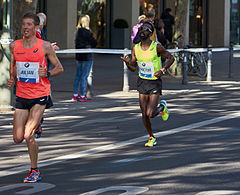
{"x":20,"y":7}
{"x":181,"y":14}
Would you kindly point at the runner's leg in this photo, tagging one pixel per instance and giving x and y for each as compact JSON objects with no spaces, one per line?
{"x":144,"y":100}
{"x":34,"y":118}
{"x":20,"y":119}
{"x":152,"y":110}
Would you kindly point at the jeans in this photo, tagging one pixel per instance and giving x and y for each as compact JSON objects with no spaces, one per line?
{"x":83,"y":70}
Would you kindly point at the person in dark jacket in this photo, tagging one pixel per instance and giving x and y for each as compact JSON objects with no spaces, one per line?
{"x":168,"y":20}
{"x":84,"y":39}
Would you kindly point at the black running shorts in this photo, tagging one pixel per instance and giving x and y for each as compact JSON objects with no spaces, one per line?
{"x":149,"y":87}
{"x":22,"y":103}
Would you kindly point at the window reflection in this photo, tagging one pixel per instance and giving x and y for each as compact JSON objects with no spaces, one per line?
{"x":235,"y":22}
{"x":96,"y":9}
{"x":196,"y":23}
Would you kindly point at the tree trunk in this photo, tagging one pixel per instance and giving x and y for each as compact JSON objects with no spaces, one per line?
{"x":21,"y":7}
{"x":180,"y":27}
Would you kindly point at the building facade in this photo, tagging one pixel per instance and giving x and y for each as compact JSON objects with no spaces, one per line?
{"x":210,"y":22}
{"x":207,"y":22}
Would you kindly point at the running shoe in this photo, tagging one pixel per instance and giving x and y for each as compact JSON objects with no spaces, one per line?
{"x":38,"y":131}
{"x":164,"y":112}
{"x":33,"y":176}
{"x":151,"y":142}
{"x":84,"y":99}
{"x":75,"y":98}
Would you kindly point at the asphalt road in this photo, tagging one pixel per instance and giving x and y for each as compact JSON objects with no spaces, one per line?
{"x":98,"y":147}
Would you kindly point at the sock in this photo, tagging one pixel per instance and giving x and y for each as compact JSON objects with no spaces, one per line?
{"x":75,"y":95}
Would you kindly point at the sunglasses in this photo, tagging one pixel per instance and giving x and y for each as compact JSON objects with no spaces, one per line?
{"x":145,"y":28}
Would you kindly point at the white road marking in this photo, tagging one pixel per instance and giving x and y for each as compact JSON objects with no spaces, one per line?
{"x":96,"y":150}
{"x":219,"y":192}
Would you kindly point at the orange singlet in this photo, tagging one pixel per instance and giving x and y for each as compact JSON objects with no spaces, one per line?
{"x":30,"y":85}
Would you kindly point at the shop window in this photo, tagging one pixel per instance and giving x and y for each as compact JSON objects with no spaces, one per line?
{"x":196,"y":19}
{"x":96,"y":9}
{"x":235,"y":22}
{"x":148,"y":4}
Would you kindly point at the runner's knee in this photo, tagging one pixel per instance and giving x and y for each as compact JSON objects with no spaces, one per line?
{"x":17,"y":140}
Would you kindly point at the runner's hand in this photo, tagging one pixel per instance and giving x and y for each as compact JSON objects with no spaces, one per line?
{"x":54,"y":45}
{"x":126,"y":60}
{"x":10,"y":82}
{"x":42,"y":72}
{"x":159,"y":73}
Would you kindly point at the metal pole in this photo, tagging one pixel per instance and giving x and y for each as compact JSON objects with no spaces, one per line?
{"x":209,"y":65}
{"x":125,"y":75}
{"x":184,"y":68}
{"x":230,"y":61}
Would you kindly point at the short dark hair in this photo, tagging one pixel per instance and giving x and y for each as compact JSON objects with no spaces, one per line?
{"x":32,"y":16}
{"x":168,"y":10}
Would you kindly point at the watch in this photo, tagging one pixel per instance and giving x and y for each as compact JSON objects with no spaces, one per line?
{"x":48,"y":74}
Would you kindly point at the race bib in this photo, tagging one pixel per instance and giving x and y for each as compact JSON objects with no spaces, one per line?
{"x":27,"y":72}
{"x":146,"y":69}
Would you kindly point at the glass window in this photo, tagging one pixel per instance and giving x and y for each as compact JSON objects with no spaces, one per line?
{"x":146,"y":4}
{"x":234,"y":22}
{"x":96,"y":9}
{"x":196,"y":23}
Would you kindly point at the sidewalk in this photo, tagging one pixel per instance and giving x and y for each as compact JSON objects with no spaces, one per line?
{"x":108,"y":78}
{"x":108,"y":75}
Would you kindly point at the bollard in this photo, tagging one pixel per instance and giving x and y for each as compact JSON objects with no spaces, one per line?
{"x":184,"y":68}
{"x":125,"y":75}
{"x":89,"y":83}
{"x":209,"y":65}
{"x":230,"y":61}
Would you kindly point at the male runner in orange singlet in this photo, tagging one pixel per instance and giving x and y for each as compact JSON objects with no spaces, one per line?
{"x":29,"y":66}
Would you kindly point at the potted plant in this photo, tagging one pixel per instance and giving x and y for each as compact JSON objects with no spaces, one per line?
{"x":120,"y":34}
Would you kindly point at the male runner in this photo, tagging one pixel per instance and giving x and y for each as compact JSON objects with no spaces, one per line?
{"x":147,"y":56}
{"x":29,"y":66}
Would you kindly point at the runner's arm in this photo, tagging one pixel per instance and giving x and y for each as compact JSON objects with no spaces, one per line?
{"x":131,"y":64}
{"x":170,"y":59}
{"x":51,"y":55}
{"x":12,"y":73}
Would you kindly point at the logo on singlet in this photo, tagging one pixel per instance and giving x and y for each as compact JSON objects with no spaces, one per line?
{"x":20,"y":53}
{"x":27,"y":65}
{"x":143,"y":64}
{"x":35,"y":51}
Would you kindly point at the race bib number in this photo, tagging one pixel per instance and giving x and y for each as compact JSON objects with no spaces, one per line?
{"x":146,"y":69}
{"x":27,"y":72}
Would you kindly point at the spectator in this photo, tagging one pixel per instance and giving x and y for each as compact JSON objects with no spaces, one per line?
{"x":168,"y":20}
{"x":150,"y":16}
{"x":135,"y":36}
{"x":84,"y":39}
{"x":159,"y":25}
{"x":41,"y":33}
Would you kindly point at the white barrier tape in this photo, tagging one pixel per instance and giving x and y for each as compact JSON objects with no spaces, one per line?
{"x":197,"y":50}
{"x":102,"y":51}
{"x":236,"y":49}
{"x":174,"y":50}
{"x":126,"y":51}
{"x":220,"y":49}
{"x":5,"y":41}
